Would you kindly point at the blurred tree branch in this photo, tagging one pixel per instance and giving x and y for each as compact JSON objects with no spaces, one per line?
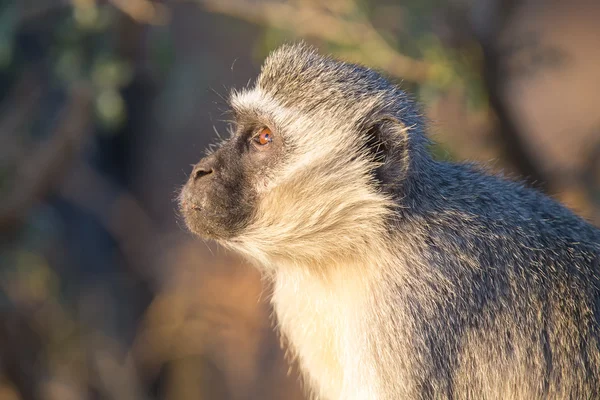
{"x":23,"y":99}
{"x":143,"y":11}
{"x":309,"y":20}
{"x":38,"y":173}
{"x":491,"y":24}
{"x":35,"y":9}
{"x":21,"y":345}
{"x":121,"y":215}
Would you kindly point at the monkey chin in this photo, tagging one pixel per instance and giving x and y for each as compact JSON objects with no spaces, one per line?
{"x":207,"y":224}
{"x":200,"y":225}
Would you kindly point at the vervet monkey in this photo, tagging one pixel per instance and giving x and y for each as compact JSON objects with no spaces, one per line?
{"x":396,"y":276}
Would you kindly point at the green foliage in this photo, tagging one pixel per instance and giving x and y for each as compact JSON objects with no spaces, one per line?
{"x":409,"y":30}
{"x":79,"y":44}
{"x":8,"y":13}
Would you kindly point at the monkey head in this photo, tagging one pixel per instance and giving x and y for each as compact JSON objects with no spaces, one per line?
{"x":319,"y":157}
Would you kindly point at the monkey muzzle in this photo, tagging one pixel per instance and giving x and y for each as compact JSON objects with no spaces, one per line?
{"x":215,"y":202}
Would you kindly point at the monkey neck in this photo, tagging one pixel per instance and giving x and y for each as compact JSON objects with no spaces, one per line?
{"x":366,"y":262}
{"x":327,"y":316}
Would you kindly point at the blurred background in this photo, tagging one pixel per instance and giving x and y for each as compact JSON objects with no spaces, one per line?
{"x":104,"y":105}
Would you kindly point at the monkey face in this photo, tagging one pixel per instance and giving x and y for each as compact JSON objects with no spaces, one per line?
{"x":312,"y":167}
{"x":285,"y":187}
{"x":219,"y":198}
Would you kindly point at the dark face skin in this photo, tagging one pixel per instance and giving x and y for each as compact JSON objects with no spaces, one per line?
{"x":219,"y":198}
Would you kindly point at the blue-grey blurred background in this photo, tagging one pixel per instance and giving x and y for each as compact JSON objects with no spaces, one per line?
{"x":105,"y":104}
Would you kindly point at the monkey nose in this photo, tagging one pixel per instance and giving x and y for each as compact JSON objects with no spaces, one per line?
{"x":203,"y":168}
{"x":199,"y":172}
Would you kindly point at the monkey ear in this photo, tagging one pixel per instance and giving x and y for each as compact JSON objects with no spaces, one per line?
{"x":389,"y":143}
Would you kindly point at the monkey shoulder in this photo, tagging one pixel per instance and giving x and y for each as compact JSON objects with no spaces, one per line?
{"x":471,"y":225}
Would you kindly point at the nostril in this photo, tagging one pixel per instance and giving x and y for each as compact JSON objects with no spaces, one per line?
{"x":200,"y":172}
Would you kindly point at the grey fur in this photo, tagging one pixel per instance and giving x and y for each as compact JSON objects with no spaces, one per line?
{"x":416,"y":279}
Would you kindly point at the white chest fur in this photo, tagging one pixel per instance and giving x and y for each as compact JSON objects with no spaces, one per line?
{"x":325,"y":325}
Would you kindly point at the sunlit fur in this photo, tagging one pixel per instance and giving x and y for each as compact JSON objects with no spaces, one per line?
{"x":327,"y":206}
{"x":438,"y":282}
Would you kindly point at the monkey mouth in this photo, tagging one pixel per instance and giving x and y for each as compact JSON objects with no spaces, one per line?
{"x":198,"y":220}
{"x":187,"y":206}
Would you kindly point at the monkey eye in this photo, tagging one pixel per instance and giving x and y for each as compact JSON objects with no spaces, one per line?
{"x":263,"y":137}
